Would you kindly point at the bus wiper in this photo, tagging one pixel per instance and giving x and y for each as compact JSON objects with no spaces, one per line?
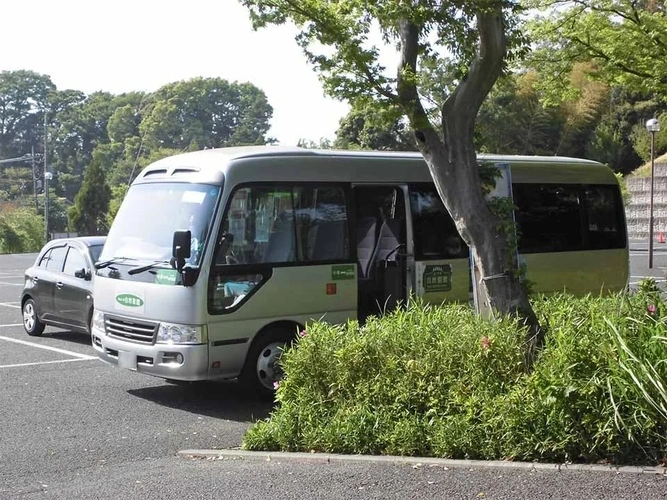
{"x":112,"y":260}
{"x":141,"y":269}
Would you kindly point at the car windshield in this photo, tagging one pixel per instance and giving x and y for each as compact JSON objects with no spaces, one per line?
{"x":150,"y":213}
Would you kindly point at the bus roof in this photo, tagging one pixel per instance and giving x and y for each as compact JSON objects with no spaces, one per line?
{"x":212,"y":165}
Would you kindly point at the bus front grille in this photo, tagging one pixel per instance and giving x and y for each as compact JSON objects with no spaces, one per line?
{"x":123,"y":328}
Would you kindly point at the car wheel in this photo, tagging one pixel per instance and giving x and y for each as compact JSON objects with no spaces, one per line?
{"x":33,"y":326}
{"x":262,"y":370}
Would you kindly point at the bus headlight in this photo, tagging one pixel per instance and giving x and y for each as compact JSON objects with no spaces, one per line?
{"x":170,"y":333}
{"x":98,"y":320}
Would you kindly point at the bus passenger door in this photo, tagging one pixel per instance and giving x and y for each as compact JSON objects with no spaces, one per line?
{"x":382,"y":252}
{"x":442,"y":265}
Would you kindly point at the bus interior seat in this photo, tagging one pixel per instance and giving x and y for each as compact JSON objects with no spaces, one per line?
{"x":328,"y":239}
{"x":282,"y":245}
{"x":367,"y":234}
{"x":390,"y":241}
{"x":389,"y":266}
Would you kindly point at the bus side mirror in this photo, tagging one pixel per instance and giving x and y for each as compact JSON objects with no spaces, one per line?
{"x":180,"y":249}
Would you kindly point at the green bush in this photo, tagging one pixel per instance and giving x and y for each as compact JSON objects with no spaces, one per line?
{"x":440,"y":381}
{"x":21,"y":230}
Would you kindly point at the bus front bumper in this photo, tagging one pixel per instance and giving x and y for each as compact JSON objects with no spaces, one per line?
{"x":169,"y":361}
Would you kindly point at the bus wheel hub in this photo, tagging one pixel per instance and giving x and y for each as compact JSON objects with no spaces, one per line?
{"x":268,"y":366}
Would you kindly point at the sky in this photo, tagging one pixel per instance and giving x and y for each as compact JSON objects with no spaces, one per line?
{"x":139,"y":45}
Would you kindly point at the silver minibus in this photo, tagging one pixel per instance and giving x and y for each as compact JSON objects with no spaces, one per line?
{"x":218,"y":258}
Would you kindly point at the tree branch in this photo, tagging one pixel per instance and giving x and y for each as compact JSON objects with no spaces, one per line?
{"x":465,"y":101}
{"x":594,"y":52}
{"x":408,"y":95}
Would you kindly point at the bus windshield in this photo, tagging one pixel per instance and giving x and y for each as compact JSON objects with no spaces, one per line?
{"x":150,"y":213}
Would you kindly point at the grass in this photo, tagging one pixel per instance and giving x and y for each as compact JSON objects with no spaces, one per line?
{"x":645,"y":170}
{"x":440,"y":381}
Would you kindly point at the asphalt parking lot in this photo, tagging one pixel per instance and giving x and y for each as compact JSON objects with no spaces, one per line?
{"x":73,"y":427}
{"x":62,"y":409}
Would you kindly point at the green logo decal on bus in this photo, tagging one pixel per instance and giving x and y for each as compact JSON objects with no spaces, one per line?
{"x":437,"y":278}
{"x":343,"y":272}
{"x":166,"y":276}
{"x":129,"y":300}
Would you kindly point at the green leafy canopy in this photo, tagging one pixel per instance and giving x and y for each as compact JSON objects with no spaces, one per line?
{"x":625,"y":38}
{"x":344,"y":39}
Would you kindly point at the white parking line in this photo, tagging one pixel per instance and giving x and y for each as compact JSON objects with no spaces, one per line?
{"x":48,"y":348}
{"x":42,"y":363}
{"x":17,"y":305}
{"x":12,"y":284}
{"x":13,"y":324}
{"x":10,"y":276}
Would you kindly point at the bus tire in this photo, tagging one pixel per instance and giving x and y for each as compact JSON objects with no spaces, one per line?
{"x":261,"y":371}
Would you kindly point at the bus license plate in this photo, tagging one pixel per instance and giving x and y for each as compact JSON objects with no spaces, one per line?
{"x":127,"y":360}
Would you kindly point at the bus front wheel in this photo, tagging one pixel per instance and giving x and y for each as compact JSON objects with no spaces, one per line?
{"x":262,"y":371}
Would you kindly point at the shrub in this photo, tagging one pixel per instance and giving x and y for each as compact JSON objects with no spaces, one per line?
{"x":440,"y":381}
{"x":21,"y":230}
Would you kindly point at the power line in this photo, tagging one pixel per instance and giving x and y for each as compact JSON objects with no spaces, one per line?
{"x":25,"y":157}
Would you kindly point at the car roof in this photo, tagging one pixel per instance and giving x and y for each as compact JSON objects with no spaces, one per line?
{"x":89,"y":241}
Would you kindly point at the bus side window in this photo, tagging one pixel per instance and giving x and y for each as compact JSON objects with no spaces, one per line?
{"x":281,"y":244}
{"x":548,"y":218}
{"x":568,"y":218}
{"x":258,"y":227}
{"x":225,"y":292}
{"x":435,"y":234}
{"x":322,"y":224}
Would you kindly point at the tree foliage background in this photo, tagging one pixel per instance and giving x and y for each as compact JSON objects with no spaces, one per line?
{"x":592,"y":79}
{"x":97,"y":143}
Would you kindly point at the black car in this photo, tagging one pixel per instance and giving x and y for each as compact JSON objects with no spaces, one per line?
{"x":58,"y":288}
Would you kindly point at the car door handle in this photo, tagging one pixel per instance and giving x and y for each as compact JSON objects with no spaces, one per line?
{"x":59,"y":285}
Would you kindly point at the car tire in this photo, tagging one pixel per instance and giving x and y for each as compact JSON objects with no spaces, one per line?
{"x":261,"y":370}
{"x":31,"y":323}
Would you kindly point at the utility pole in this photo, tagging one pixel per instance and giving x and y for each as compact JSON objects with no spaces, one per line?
{"x":46,"y":186}
{"x":34,"y":177}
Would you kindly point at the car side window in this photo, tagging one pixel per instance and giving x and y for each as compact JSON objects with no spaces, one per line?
{"x":45,"y":259}
{"x":56,"y":259}
{"x":74,"y":262}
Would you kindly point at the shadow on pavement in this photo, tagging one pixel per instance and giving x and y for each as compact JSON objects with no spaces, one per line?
{"x":225,"y":400}
{"x":68,"y":336}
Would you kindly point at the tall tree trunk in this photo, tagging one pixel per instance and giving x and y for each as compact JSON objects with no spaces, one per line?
{"x":453,"y":165}
{"x":454,"y":170}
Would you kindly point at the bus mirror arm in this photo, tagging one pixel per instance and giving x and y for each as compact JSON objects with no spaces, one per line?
{"x":177,"y":263}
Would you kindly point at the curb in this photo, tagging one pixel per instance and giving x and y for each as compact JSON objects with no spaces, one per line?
{"x":324,"y":458}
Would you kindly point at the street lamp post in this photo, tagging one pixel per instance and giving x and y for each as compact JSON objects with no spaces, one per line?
{"x":653,"y":126}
